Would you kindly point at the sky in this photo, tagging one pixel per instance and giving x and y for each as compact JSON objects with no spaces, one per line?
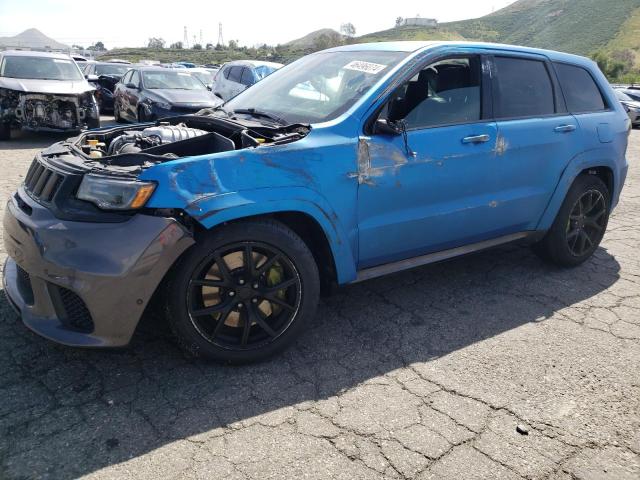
{"x":120,"y":23}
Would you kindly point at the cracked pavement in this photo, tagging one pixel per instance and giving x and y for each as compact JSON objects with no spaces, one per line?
{"x":424,"y":374}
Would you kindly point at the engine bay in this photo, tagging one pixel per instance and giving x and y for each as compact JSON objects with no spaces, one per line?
{"x":177,"y":137}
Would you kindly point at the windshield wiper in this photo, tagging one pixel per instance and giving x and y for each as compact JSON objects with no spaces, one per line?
{"x":259,"y":113}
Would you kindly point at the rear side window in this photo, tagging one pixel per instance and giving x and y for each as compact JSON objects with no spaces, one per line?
{"x":524,"y":88}
{"x":235,"y":74}
{"x":247,"y":77}
{"x":580,"y":90}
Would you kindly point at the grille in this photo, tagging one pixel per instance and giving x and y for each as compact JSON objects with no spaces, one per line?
{"x":24,"y":285}
{"x":42,"y":182}
{"x":77,"y":314}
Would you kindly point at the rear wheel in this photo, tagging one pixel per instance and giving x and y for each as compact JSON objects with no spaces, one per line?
{"x":580,"y":224}
{"x":244,"y":292}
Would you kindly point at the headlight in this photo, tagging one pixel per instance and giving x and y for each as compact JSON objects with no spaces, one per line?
{"x":113,"y":194}
{"x":163,"y":105}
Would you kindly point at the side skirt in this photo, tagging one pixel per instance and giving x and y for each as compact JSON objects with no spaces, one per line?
{"x":414,"y":262}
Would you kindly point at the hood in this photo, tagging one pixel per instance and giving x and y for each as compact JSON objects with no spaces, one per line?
{"x":190,"y":97}
{"x":62,"y":87}
{"x":631,"y":104}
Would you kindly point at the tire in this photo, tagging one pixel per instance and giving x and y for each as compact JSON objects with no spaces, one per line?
{"x":5,"y":131}
{"x":581,"y":222}
{"x":236,"y":313}
{"x":93,"y":123}
{"x":116,"y":112}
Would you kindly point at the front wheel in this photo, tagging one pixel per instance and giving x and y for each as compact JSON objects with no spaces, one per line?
{"x":243,"y":292}
{"x":580,"y":224}
{"x":116,"y":112}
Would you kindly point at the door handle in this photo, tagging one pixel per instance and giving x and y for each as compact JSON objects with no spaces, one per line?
{"x":565,"y":128}
{"x":476,"y":139}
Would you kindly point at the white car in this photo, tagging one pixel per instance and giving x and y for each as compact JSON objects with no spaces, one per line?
{"x":234,"y":77}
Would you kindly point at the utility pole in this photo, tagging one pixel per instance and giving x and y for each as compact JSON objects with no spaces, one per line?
{"x":200,"y":36}
{"x":186,"y":38}
{"x":220,"y":39}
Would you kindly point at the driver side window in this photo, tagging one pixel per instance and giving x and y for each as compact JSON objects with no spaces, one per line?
{"x":447,"y":92}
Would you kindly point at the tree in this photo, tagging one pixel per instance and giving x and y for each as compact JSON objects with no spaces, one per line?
{"x":209,"y":46}
{"x":97,"y":47}
{"x":176,"y":45}
{"x":196,"y":46}
{"x":348,"y":29}
{"x":612,"y":68}
{"x":77,"y":47}
{"x":233,"y":44}
{"x":157,"y":43}
{"x":399,"y":22}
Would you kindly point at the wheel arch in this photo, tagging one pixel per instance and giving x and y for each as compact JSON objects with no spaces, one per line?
{"x":604,"y":168}
{"x":317,"y":225}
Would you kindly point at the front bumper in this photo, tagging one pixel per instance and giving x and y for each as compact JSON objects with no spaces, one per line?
{"x":85,"y":284}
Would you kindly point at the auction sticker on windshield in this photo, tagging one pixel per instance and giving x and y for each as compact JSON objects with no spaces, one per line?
{"x":366,"y":67}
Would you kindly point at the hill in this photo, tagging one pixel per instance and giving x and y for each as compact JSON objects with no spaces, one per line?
{"x":32,"y":38}
{"x":312,"y":39}
{"x":576,"y":26}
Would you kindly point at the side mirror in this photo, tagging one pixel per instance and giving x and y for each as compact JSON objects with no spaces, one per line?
{"x":383,"y":127}
{"x":209,"y":87}
{"x":92,"y":78}
{"x":131,"y":85}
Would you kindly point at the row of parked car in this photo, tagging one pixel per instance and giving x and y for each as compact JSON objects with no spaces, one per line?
{"x":44,"y":91}
{"x":629,"y":97}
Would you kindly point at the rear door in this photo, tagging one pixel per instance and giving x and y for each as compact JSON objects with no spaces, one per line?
{"x":537,"y":137}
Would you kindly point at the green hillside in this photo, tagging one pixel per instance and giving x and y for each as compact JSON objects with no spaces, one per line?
{"x":609,"y":30}
{"x":576,"y":26}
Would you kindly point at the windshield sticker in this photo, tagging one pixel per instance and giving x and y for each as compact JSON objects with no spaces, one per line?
{"x":57,"y":60}
{"x":366,"y":67}
{"x":184,"y":74}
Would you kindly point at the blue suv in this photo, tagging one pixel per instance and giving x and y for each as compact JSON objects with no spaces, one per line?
{"x":342,"y":166}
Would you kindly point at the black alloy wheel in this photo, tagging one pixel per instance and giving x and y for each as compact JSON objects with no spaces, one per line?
{"x":587,"y":222}
{"x":243,"y":292}
{"x":580,"y":223}
{"x":244,"y":295}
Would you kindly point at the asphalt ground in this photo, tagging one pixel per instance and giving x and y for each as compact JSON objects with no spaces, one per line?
{"x":490,"y":366}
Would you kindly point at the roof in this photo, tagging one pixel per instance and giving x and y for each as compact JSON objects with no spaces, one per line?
{"x":414,"y":46}
{"x":254,"y":63}
{"x":30,"y":53}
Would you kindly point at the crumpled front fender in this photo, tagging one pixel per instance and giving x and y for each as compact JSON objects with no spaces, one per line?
{"x":217,"y":209}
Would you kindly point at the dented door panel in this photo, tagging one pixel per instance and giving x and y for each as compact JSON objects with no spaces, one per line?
{"x":533,"y":154}
{"x":445,"y":196}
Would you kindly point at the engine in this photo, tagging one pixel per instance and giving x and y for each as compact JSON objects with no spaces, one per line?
{"x":48,"y":111}
{"x":136,"y":141}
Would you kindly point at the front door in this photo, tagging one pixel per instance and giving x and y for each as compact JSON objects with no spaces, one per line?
{"x":437,"y":189}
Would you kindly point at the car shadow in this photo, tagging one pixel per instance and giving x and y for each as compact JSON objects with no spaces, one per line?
{"x":27,"y":140}
{"x":72,"y":411}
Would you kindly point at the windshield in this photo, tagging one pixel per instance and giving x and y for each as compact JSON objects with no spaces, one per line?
{"x":631,"y":95}
{"x":319,"y":87}
{"x":171,"y":80}
{"x":40,"y":68}
{"x":204,"y":77}
{"x":623,"y":96}
{"x":264,"y":70}
{"x":115,"y":70}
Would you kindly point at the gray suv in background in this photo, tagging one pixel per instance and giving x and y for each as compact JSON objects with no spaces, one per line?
{"x":43,"y":91}
{"x":234,"y":77}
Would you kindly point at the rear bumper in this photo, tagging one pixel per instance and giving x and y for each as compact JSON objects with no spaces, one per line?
{"x":85,"y":284}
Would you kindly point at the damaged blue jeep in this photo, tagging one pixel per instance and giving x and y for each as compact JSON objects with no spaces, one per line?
{"x":345,"y":165}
